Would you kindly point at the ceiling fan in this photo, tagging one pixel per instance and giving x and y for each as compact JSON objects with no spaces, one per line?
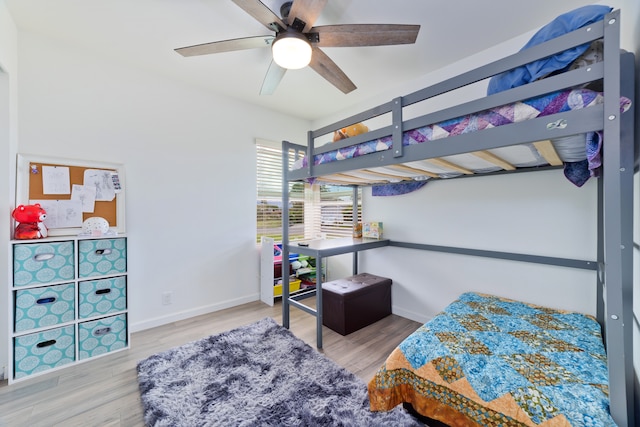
{"x":297,"y":42}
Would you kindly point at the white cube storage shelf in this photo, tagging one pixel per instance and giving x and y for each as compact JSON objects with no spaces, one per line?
{"x":69,"y":299}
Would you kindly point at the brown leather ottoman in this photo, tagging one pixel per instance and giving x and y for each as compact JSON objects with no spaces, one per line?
{"x":354,"y":302}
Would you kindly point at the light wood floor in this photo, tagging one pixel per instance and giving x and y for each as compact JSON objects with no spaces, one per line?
{"x":104,"y":392}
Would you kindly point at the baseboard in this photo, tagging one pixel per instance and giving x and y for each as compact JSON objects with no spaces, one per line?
{"x":416,"y":317}
{"x":181,"y":315}
{"x":186,"y":314}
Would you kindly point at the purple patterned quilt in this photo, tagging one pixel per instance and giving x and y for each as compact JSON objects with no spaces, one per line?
{"x":540,"y":106}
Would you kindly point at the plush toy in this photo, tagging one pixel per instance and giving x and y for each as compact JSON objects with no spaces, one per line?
{"x":296,"y":265}
{"x":30,"y":225}
{"x":350,"y":131}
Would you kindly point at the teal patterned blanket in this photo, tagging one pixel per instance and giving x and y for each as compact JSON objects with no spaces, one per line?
{"x":491,"y":361}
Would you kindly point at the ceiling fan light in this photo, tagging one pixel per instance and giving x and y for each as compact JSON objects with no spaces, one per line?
{"x":291,"y":50}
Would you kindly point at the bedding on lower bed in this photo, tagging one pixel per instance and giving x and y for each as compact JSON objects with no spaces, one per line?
{"x":576,"y":149}
{"x":491,"y":361}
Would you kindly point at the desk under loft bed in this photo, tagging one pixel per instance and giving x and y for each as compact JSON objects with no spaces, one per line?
{"x":394,"y":153}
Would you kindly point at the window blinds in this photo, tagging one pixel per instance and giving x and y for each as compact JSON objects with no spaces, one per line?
{"x":314,"y":210}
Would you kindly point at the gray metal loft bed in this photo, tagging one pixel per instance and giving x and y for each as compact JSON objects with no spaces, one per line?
{"x":401,"y":162}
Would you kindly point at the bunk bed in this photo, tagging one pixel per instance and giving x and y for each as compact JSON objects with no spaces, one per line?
{"x":405,"y":153}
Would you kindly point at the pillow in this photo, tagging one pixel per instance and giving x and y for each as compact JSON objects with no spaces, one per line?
{"x":563,"y":24}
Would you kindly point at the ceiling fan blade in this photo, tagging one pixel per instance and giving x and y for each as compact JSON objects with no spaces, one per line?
{"x":350,"y":35}
{"x":328,"y":69}
{"x":226,"y":45}
{"x":306,"y":11}
{"x":261,"y":13}
{"x":275,"y":73}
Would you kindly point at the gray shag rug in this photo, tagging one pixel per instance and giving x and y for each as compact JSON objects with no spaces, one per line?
{"x":255,"y":375}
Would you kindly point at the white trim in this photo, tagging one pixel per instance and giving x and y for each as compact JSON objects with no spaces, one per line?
{"x":411,"y":315}
{"x":186,"y":314}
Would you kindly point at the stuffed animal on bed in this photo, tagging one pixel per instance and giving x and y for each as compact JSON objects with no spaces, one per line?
{"x":350,"y":131}
{"x":30,"y":225}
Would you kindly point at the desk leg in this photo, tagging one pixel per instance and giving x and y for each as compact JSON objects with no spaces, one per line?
{"x":286,"y":308}
{"x":319,"y":302}
{"x":355,"y":263}
{"x":285,"y":312}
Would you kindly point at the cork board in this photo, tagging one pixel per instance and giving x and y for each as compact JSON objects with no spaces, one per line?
{"x":30,"y":185}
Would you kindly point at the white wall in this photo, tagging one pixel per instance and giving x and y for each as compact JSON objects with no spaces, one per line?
{"x":529,"y":213}
{"x":190,"y":170}
{"x":8,"y":144}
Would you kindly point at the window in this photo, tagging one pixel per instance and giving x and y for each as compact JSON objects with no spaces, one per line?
{"x":313,"y":209}
{"x":335,"y":209}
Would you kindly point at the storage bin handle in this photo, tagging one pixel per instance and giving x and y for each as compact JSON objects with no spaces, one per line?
{"x":103,"y":251}
{"x":102,"y":331}
{"x":46,"y":300}
{"x":103,"y":291}
{"x":43,"y":257}
{"x":46,"y":343}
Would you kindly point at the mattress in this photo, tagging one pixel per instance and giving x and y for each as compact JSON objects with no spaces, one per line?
{"x":581,"y":148}
{"x":491,"y":361}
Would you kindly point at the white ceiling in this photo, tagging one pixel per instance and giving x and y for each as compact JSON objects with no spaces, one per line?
{"x":144,"y":33}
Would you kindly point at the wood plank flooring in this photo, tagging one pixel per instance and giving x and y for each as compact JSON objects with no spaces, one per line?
{"x":104,"y":392}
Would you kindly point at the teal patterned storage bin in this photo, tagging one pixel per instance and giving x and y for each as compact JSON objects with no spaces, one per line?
{"x":37,"y":263}
{"x":102,"y":257}
{"x":45,"y":306}
{"x":99,"y":297}
{"x":43,"y":350}
{"x":102,"y":336}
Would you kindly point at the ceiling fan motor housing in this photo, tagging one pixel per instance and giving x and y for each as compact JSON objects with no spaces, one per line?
{"x":285,"y":9}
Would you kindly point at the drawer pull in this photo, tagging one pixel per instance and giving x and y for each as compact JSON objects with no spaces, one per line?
{"x":102,"y":331}
{"x":43,"y":257}
{"x":103,"y":291}
{"x":45,"y":343}
{"x":46,"y":300}
{"x":103,"y":251}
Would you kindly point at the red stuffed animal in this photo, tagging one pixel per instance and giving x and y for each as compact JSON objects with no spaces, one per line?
{"x":30,"y":219}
